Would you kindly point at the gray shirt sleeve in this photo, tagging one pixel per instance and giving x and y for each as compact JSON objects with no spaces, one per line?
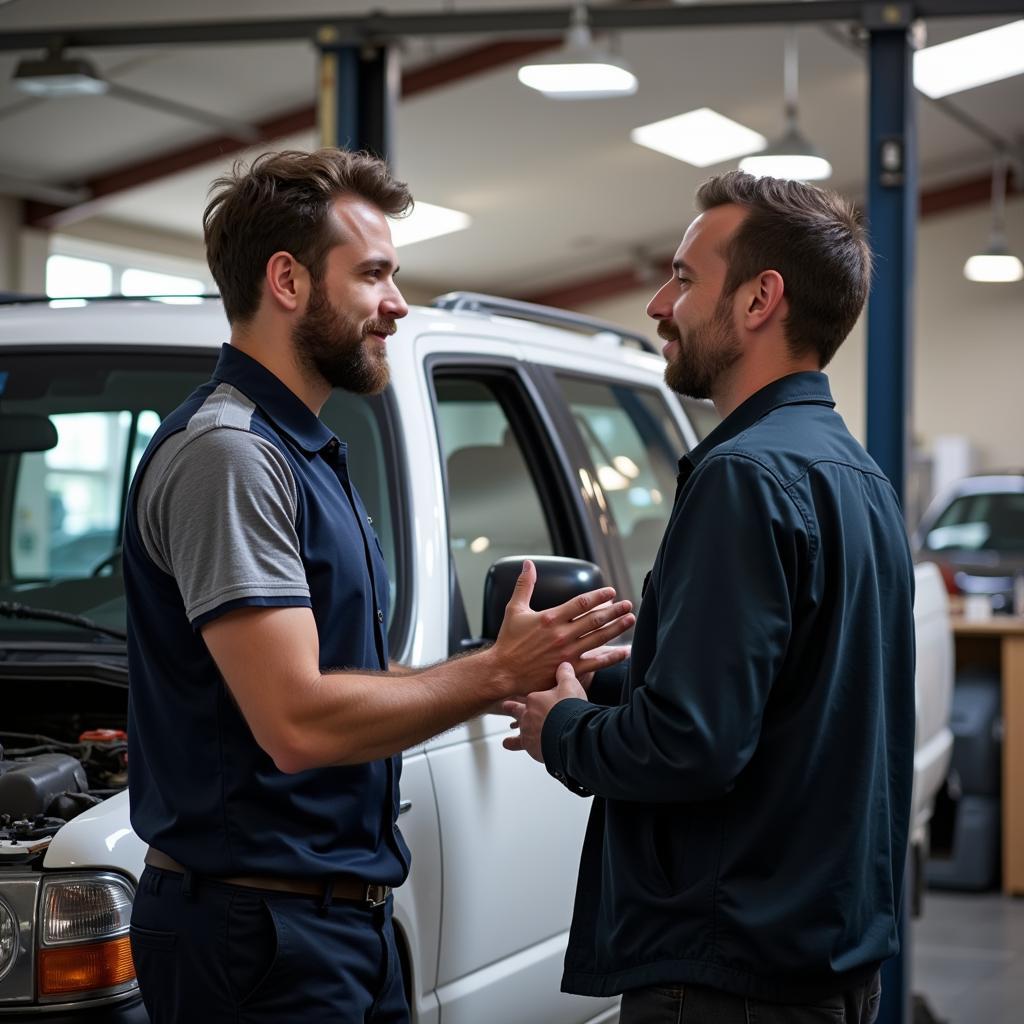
{"x":217,"y":512}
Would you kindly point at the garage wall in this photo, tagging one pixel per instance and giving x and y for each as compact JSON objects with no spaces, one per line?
{"x":968,"y":348}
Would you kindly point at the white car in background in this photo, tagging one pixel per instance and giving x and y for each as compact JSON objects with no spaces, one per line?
{"x":508,"y":430}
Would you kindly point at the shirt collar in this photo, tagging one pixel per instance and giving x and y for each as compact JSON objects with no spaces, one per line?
{"x":281,"y":405}
{"x":805,"y":388}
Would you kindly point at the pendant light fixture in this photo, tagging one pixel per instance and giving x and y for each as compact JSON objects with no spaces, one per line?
{"x":996,"y":265}
{"x":792,"y":155}
{"x":580,"y":70}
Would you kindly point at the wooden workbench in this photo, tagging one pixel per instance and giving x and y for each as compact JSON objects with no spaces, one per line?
{"x":999,"y":643}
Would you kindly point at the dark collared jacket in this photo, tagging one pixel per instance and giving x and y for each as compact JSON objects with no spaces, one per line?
{"x":753,"y":786}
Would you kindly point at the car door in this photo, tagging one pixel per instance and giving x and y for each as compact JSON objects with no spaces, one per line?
{"x":510,"y":836}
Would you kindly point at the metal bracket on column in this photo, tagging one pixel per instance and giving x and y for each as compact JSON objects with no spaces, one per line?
{"x":358,"y":90}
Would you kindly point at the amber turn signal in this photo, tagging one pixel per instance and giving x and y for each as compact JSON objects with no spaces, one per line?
{"x":84,"y":968}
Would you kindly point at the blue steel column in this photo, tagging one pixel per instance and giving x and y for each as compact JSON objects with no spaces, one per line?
{"x":358,"y":90}
{"x":892,"y":218}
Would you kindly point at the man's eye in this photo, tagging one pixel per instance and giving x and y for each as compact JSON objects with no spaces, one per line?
{"x":683,"y":280}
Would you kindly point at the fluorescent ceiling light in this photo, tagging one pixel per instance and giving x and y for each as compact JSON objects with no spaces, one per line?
{"x":970,"y":61}
{"x":581,"y":70}
{"x":791,"y":157}
{"x":579,"y":80}
{"x":994,"y":268}
{"x":56,"y":75}
{"x":996,"y":265}
{"x":702,"y":137}
{"x":426,"y":221}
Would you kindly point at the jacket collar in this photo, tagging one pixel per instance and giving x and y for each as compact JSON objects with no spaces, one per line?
{"x":279,"y":404}
{"x":804,"y":388}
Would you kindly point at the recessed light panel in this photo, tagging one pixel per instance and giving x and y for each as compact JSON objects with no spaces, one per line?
{"x":970,"y":61}
{"x":702,"y":137}
{"x":426,"y":221}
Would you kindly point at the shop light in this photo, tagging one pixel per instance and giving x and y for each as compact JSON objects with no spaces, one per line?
{"x":970,"y":61}
{"x":426,"y":221}
{"x":996,"y":265}
{"x":701,"y":137}
{"x":581,"y":70}
{"x":791,"y":156}
{"x":56,"y":75}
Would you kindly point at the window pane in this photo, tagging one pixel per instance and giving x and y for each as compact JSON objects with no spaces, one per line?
{"x":68,"y":276}
{"x":635,"y":447}
{"x":62,"y":517}
{"x":148,"y":282}
{"x":494,"y":509}
{"x":362,"y":421}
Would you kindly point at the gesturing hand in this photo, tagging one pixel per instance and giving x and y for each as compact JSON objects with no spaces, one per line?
{"x":530,"y":714}
{"x":531,"y":645}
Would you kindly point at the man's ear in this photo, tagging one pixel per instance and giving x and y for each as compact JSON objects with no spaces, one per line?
{"x":287,"y":282}
{"x":766,"y":294}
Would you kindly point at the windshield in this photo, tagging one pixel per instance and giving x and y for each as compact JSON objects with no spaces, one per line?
{"x":980,"y":522}
{"x":61,"y":507}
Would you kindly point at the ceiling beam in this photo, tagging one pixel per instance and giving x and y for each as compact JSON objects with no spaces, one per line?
{"x":103,"y":187}
{"x":381,"y":27}
{"x":627,"y":278}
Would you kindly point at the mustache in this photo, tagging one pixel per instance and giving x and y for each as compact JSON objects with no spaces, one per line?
{"x":385,"y":327}
{"x":668,"y":331}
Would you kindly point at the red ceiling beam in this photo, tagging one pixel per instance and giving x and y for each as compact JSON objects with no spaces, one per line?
{"x":418,"y":80}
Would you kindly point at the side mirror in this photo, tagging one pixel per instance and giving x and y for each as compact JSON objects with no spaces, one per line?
{"x":558,"y":580}
{"x":26,"y":432}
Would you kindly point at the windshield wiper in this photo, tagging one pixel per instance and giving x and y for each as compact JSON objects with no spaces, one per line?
{"x":13,"y":610}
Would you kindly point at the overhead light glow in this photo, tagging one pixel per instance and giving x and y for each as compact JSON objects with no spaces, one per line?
{"x":426,"y":221}
{"x":701,"y":137}
{"x":791,"y":157}
{"x":994,"y":268}
{"x":55,"y":76}
{"x":970,"y":61}
{"x":590,"y":80}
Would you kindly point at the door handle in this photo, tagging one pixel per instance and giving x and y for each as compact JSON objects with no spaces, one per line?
{"x":404,"y":805}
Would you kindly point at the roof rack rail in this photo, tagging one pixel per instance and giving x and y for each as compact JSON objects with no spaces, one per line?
{"x":20,"y":298}
{"x":480,"y":303}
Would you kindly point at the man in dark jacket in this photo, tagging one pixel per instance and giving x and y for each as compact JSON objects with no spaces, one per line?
{"x":752,"y":780}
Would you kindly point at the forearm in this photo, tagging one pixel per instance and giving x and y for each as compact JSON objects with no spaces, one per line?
{"x":354,"y":717}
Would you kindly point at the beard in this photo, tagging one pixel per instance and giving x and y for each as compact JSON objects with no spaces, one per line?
{"x":703,"y":354}
{"x":337,"y":348}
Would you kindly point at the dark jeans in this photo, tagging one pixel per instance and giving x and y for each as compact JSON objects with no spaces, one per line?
{"x":218,"y":953}
{"x":693,"y":1004}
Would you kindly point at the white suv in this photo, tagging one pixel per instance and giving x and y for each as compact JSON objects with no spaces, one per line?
{"x":508,"y":430}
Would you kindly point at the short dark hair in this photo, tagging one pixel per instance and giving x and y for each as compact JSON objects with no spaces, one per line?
{"x":816,"y":241}
{"x":282,"y":202}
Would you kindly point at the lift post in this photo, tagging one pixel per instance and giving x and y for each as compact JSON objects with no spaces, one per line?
{"x":357,"y":95}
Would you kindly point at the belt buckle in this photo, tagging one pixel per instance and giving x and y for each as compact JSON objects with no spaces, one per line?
{"x":377,"y":895}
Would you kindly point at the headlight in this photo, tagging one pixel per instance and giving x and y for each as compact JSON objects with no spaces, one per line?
{"x":83,"y":936}
{"x":87,"y":908}
{"x":8,"y":938}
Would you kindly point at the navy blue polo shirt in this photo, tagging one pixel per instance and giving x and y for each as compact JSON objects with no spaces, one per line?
{"x":243,"y":498}
{"x":752,"y":789}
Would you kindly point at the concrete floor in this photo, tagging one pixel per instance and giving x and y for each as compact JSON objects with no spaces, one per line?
{"x":968,"y":957}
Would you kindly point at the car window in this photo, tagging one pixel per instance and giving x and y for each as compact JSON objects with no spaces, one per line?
{"x":494,"y":506}
{"x":703,"y":416}
{"x":635,"y":446}
{"x":367,"y":423}
{"x":980,"y":522}
{"x":61,"y":510}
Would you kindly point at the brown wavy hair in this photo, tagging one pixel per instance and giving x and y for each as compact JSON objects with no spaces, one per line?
{"x":282,"y":202}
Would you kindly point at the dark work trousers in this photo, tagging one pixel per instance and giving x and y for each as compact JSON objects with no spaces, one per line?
{"x":207,"y":952}
{"x":693,"y":1004}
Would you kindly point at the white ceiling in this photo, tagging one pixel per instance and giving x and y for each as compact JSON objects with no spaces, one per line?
{"x":556,"y":190}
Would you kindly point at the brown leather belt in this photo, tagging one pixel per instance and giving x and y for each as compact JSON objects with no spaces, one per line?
{"x":336,"y":887}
